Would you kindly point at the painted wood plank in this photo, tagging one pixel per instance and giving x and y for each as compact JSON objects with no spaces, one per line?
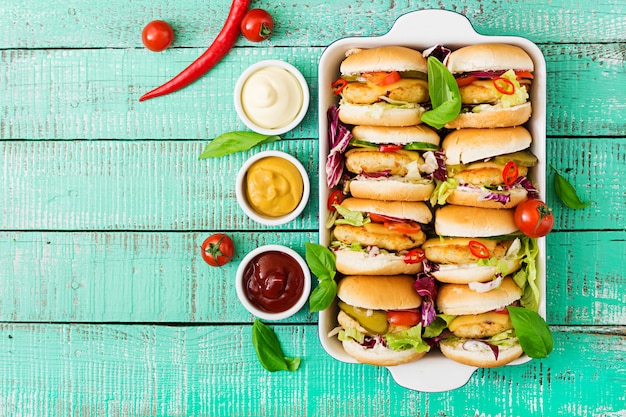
{"x":136,"y":185}
{"x":118,"y":23}
{"x":93,"y":94}
{"x":160,"y":277}
{"x":159,"y":185}
{"x":125,"y":277}
{"x":113,"y":370}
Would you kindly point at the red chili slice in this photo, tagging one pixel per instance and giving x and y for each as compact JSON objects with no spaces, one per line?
{"x":389,"y":148}
{"x":339,"y":85}
{"x":336,"y":197}
{"x":478,"y":249}
{"x":504,"y":85}
{"x":510,"y":173}
{"x":415,"y":256}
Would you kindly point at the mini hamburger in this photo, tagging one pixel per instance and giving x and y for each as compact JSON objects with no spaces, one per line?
{"x":392,"y":163}
{"x":385,"y":86}
{"x":380,"y":319}
{"x":482,"y":332}
{"x":475,"y":245}
{"x":379,"y":237}
{"x":494,"y":81}
{"x":487,"y":168}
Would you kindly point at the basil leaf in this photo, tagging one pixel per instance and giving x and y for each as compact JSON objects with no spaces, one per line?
{"x":268,"y":349}
{"x":320,"y":260}
{"x":444,"y":95}
{"x":532,"y":331}
{"x":567,"y":193}
{"x":234,"y":142}
{"x":323,"y":295}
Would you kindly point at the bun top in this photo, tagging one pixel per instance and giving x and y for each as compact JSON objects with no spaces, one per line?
{"x":462,"y":221}
{"x":385,"y":58}
{"x":459,"y":299}
{"x":409,"y":210}
{"x":463,"y":146}
{"x":393,"y":292}
{"x":489,"y":57}
{"x":396,"y":135}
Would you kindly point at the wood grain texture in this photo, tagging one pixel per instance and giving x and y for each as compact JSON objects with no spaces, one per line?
{"x":136,"y":185}
{"x":84,"y":370}
{"x":86,"y":24}
{"x":138,"y":277}
{"x":93,"y":94}
{"x":161,"y":185}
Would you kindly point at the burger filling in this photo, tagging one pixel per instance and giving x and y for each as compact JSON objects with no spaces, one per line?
{"x":488,"y":90}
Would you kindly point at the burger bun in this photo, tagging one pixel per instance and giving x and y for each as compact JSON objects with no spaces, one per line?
{"x":475,"y":353}
{"x":462,"y":221}
{"x":459,"y":299}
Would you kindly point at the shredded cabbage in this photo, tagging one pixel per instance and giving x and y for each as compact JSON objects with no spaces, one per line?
{"x":442,"y":191}
{"x":408,"y":339}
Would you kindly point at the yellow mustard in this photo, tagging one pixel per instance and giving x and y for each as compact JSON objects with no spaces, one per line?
{"x":274,"y":186}
{"x":272,"y":97}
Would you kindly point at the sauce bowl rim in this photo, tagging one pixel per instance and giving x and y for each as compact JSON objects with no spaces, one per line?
{"x":239,"y":285}
{"x":243,"y":200}
{"x":306,"y":96}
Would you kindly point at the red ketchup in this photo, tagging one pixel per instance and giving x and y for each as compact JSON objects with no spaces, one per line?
{"x":273,"y":281}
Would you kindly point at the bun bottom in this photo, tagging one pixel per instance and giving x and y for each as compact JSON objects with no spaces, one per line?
{"x":507,"y":117}
{"x":475,"y":353}
{"x":389,"y":189}
{"x":379,"y":355}
{"x":350,"y":262}
{"x":379,"y":115}
{"x":471,"y":198}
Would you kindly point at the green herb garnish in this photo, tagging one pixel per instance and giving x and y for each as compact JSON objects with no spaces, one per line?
{"x":567,"y":193}
{"x":321,"y":262}
{"x":444,"y":95}
{"x":234,"y":142}
{"x":268,"y":349}
{"x":532,"y":331}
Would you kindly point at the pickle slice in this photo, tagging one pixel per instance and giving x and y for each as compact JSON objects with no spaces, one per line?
{"x":374,"y":321}
{"x":521,"y":158}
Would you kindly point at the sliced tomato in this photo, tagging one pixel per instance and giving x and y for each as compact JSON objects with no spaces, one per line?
{"x":478,"y":249}
{"x":336,"y":197}
{"x":415,"y":256}
{"x":403,"y":317}
{"x":408,"y":227}
{"x":382,"y":78}
{"x":510,"y":173}
{"x":389,"y":148}
{"x":524,"y":74}
{"x":466,"y":80}
{"x":377,"y":218}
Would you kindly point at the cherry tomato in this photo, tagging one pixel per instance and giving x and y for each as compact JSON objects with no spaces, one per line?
{"x":217,"y":249}
{"x":257,"y":25}
{"x":534,"y":218}
{"x":510,"y":173}
{"x":336,"y":197}
{"x":404,"y":317}
{"x":414,"y":256}
{"x":157,"y":35}
{"x":408,"y":227}
{"x":389,"y":148}
{"x":478,"y":249}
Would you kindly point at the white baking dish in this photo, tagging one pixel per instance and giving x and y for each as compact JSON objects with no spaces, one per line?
{"x":421,"y":30}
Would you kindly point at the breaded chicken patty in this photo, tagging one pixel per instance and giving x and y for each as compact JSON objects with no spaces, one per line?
{"x":484,"y":173}
{"x":407,"y":89}
{"x":368,"y":160}
{"x":460,"y":253}
{"x":376,"y":234}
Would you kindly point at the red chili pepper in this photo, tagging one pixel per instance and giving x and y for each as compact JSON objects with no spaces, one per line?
{"x":478,"y":249}
{"x":504,"y":85}
{"x":415,"y":256}
{"x":510,"y":173}
{"x":336,"y":197}
{"x":218,"y":49}
{"x":339,"y":85}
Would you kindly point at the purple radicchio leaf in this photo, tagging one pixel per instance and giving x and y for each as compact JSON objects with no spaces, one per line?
{"x":440,"y":173}
{"x":338,"y":136}
{"x":525,"y":182}
{"x":438,"y":51}
{"x":426,"y":287}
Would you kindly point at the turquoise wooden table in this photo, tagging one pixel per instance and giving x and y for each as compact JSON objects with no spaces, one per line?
{"x":107,"y":308}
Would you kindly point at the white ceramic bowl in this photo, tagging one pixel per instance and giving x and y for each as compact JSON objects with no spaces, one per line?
{"x":239,"y":107}
{"x":239,"y":283}
{"x":240,"y":189}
